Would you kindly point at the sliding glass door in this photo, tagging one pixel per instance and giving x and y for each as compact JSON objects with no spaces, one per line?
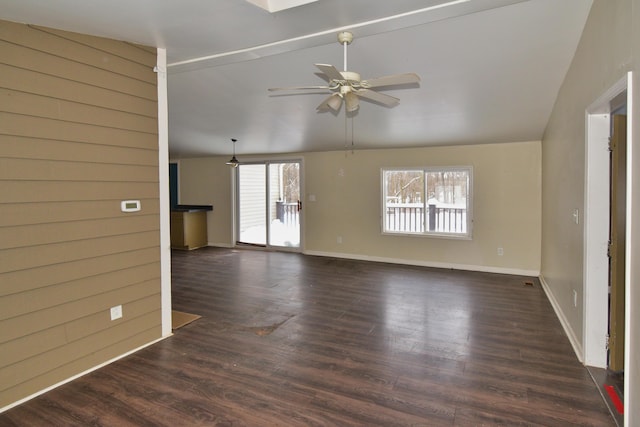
{"x":269,"y":206}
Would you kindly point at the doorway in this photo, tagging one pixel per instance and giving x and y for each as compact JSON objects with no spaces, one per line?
{"x":606,"y":280}
{"x":597,"y":224}
{"x":173,"y":185}
{"x":269,"y":207}
{"x":617,"y":232}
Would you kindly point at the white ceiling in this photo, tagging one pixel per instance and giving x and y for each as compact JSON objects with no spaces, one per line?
{"x":490,"y":69}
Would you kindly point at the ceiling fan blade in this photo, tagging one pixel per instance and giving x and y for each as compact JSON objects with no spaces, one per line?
{"x":330,"y":71}
{"x":351,"y":102}
{"x":396,"y":79}
{"x":333,"y":102}
{"x":384,"y":99}
{"x":273,"y":89}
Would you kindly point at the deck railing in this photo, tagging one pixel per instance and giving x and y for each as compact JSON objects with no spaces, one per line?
{"x":288,"y":213}
{"x":410,"y":218}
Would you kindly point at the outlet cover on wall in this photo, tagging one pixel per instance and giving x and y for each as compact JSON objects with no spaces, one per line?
{"x":116,"y":312}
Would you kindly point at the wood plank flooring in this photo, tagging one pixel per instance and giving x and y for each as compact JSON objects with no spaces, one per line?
{"x":293,"y":340}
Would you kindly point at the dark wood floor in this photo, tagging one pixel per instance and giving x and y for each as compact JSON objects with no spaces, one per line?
{"x":287,"y":339}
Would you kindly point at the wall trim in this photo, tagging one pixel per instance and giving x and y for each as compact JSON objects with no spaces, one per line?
{"x":402,"y":261}
{"x":595,"y":316}
{"x":573,"y":339}
{"x":81,"y":374}
{"x":163,"y":189}
{"x":433,"y":264}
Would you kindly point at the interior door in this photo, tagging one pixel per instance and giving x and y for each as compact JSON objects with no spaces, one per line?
{"x":617,"y":242}
{"x":269,"y":206}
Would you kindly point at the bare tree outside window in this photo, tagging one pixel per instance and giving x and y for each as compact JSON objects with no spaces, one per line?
{"x":430,"y":201}
{"x":291,"y":178}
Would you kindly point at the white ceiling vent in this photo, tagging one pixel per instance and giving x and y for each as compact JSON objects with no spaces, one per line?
{"x":278,"y":5}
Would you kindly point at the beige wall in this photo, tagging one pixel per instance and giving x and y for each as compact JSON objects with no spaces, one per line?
{"x":207,"y":181}
{"x":609,"y":48}
{"x":78,"y":134}
{"x":346,"y":187}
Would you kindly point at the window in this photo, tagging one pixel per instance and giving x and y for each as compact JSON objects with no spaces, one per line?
{"x":427,"y":201}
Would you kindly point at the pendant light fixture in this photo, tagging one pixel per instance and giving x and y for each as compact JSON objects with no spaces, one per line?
{"x":233,"y":162}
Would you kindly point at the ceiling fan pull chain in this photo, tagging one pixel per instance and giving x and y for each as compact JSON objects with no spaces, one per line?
{"x":353,"y":118}
{"x":345,"y":134}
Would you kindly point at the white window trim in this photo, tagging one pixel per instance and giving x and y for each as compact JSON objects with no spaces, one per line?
{"x":438,"y":235}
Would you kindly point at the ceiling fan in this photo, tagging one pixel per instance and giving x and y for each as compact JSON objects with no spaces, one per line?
{"x":348,"y":86}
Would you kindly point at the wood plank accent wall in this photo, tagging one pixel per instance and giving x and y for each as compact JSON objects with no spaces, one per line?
{"x":78,"y":134}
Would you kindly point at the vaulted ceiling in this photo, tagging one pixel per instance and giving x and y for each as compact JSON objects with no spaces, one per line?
{"x":490,"y":69}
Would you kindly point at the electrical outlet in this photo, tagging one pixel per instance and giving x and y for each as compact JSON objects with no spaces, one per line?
{"x":339,"y":240}
{"x":575,"y":298}
{"x":576,"y":216}
{"x":500,"y":251}
{"x":116,"y":312}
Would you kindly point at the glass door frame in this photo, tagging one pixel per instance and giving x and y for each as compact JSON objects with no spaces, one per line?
{"x":267,"y":212}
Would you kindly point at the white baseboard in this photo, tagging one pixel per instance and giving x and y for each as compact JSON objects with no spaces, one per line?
{"x":573,"y":339}
{"x":94,"y":368}
{"x":481,"y":268}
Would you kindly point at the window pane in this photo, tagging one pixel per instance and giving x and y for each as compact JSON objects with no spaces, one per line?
{"x":447,"y":202}
{"x":404,"y":201}
{"x":428,"y":201}
{"x":252,"y":199}
{"x":284,"y":198}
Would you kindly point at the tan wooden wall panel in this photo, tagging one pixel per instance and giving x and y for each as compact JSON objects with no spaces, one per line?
{"x":90,"y":314}
{"x":46,"y":107}
{"x":87,"y":362}
{"x":21,"y":80}
{"x":45,"y":234}
{"x":48,"y":149}
{"x":16,"y":56}
{"x":43,"y":128}
{"x":138,"y":54}
{"x":140,"y":300}
{"x":18,"y":214}
{"x":18,"y":281}
{"x":57,"y":191}
{"x":54,"y":297}
{"x":44,"y":362}
{"x":78,"y":134}
{"x":56,"y":253}
{"x":48,"y":339}
{"x":30,"y":345}
{"x":65,"y":45}
{"x":55,"y":170}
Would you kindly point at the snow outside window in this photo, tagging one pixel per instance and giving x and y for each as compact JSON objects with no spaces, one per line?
{"x":427,"y":201}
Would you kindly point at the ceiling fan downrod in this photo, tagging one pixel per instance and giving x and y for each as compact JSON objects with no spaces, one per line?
{"x":345,"y":38}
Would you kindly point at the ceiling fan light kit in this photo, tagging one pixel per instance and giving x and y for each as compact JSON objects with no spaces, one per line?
{"x":349,"y":86}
